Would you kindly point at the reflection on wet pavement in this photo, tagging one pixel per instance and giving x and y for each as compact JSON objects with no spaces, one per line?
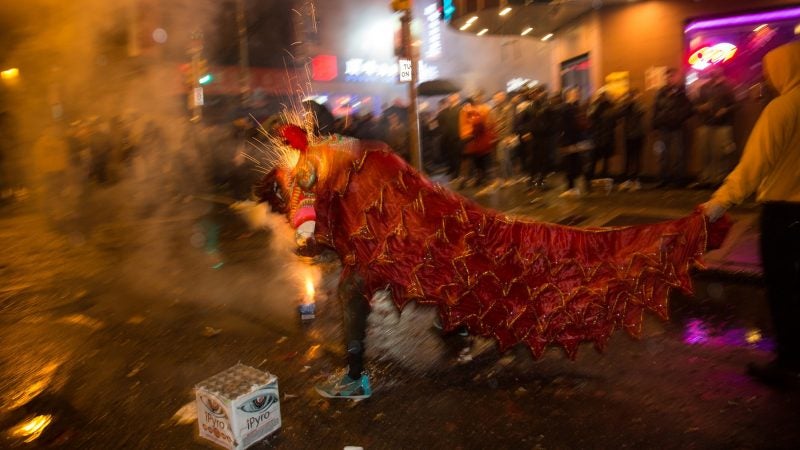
{"x":38,"y":382}
{"x":701,"y":332}
{"x":82,"y":320}
{"x":30,"y":429}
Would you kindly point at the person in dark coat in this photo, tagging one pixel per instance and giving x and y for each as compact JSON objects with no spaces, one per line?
{"x":572,"y":130}
{"x":602,"y":117}
{"x":714,"y":137}
{"x":450,"y":142}
{"x":538,"y":122}
{"x":632,"y":115}
{"x":671,"y":110}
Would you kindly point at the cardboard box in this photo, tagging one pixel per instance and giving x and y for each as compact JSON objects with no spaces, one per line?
{"x":238,"y":407}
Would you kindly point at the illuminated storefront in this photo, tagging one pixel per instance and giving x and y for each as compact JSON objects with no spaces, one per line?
{"x":359,"y":85}
{"x":354,"y":68}
{"x":736,"y":44}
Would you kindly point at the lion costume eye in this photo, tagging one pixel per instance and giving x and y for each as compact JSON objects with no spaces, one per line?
{"x":306,"y":174}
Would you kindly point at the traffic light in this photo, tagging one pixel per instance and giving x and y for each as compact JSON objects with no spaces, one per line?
{"x":401,"y":5}
{"x":446,"y":9}
{"x":202,"y":73}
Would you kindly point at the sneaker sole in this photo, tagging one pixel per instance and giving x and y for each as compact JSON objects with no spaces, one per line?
{"x":354,"y":397}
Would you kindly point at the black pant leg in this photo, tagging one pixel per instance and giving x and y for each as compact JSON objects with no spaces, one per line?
{"x":456,"y":151}
{"x":538,"y":162}
{"x":530,"y":159}
{"x":573,"y":162}
{"x":633,"y":153}
{"x":356,"y":308}
{"x":482,"y":163}
{"x":780,"y":253}
{"x":592,"y":164}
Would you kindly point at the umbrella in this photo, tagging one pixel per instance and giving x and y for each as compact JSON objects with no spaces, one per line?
{"x":324,"y":120}
{"x":437,"y":87}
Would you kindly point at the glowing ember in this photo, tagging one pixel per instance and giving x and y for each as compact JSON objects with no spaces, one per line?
{"x":31,"y":429}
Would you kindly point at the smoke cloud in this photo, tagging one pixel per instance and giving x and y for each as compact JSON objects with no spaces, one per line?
{"x":95,"y":73}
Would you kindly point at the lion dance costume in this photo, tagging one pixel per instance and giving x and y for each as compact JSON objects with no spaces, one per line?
{"x":519,"y":281}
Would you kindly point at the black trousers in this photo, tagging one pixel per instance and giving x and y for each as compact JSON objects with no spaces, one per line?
{"x":451,"y":152}
{"x":355,"y":309}
{"x":599,"y":154}
{"x":780,"y":254}
{"x":573,"y":166}
{"x":481,"y":165}
{"x":633,"y":156}
{"x":538,"y":158}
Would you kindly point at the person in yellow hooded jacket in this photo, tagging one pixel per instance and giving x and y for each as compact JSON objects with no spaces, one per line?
{"x":770,"y":167}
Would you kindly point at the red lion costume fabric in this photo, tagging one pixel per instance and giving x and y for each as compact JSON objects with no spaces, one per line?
{"x":517,"y":280}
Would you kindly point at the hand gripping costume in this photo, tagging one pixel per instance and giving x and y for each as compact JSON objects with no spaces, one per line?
{"x":519,"y":281}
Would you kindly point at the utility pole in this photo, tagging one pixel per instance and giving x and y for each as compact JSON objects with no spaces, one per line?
{"x":244,"y":54}
{"x":410,"y":52}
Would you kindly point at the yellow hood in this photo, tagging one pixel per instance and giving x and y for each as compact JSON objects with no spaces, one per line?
{"x":782,"y":67}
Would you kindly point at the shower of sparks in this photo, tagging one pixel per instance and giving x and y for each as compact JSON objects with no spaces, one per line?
{"x":270,"y":150}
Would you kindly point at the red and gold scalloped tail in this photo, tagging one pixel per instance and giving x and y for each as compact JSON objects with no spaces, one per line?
{"x":518,"y":281}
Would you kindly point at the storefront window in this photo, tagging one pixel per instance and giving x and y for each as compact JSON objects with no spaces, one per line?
{"x":575,"y":74}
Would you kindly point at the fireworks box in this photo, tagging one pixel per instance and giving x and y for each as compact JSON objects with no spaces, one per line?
{"x":238,"y":407}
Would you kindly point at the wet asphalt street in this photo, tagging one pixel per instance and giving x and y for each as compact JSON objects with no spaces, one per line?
{"x":109,"y":318}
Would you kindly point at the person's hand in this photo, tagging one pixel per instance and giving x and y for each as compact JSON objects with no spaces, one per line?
{"x":713,"y":210}
{"x":304,"y":235}
{"x":304,"y":238}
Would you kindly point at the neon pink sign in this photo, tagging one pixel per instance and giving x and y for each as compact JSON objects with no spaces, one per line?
{"x":715,"y":54}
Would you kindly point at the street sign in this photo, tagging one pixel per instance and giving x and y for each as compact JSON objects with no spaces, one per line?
{"x":404,"y":70}
{"x":197,"y":96}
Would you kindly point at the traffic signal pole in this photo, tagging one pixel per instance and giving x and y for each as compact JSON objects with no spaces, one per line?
{"x":413,"y":110}
{"x":196,"y":92}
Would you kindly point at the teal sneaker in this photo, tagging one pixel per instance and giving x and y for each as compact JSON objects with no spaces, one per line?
{"x":345,"y":387}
